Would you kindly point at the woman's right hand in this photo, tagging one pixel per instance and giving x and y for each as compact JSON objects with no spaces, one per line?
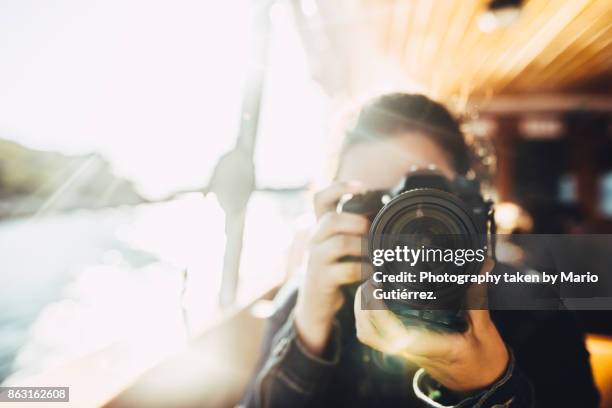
{"x":336,"y":235}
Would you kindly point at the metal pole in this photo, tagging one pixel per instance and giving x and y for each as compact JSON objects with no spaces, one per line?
{"x":233,"y":179}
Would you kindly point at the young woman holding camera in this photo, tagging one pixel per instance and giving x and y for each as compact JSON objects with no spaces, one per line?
{"x":322,"y":349}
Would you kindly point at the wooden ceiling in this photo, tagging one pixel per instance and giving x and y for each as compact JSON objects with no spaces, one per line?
{"x":436,"y":46}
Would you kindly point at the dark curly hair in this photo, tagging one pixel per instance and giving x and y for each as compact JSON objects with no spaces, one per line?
{"x":390,"y":114}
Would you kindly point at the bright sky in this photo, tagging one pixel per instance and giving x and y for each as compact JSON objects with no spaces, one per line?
{"x":153,"y":85}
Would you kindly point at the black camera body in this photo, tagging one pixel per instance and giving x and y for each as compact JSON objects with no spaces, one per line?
{"x":426,"y":209}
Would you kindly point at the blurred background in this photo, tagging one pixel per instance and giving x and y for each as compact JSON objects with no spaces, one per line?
{"x":157,"y":160}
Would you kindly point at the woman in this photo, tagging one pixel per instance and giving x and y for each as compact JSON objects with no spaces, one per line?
{"x":319,"y":346}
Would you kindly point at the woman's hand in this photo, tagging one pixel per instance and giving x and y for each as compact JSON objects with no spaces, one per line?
{"x":462,"y":362}
{"x":336,"y":235}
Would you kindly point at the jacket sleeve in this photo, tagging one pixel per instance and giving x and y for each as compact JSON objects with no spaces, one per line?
{"x":287,"y":374}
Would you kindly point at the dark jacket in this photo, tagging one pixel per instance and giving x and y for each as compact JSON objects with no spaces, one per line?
{"x":549,"y":367}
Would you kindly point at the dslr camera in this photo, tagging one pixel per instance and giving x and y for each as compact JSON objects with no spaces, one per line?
{"x":427,"y":210}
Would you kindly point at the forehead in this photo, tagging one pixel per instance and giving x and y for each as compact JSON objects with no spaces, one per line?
{"x":381,"y":164}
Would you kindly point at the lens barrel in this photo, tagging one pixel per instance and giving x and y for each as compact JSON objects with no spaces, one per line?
{"x":436,"y":221}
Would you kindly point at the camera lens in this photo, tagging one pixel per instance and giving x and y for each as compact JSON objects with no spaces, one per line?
{"x":431,"y":220}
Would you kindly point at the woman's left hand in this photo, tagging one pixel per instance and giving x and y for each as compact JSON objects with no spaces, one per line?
{"x":462,"y":362}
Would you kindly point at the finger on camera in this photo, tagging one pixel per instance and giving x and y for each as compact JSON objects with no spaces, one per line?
{"x":369,"y":332}
{"x":327,"y":199}
{"x":366,"y":311}
{"x":399,"y":336}
{"x":428,"y":344}
{"x":333,"y":223}
{"x":363,"y":324}
{"x":366,"y":293}
{"x":349,"y":272}
{"x":337,"y":247}
{"x":479,"y":319}
{"x":391,"y":328}
{"x":368,"y":336}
